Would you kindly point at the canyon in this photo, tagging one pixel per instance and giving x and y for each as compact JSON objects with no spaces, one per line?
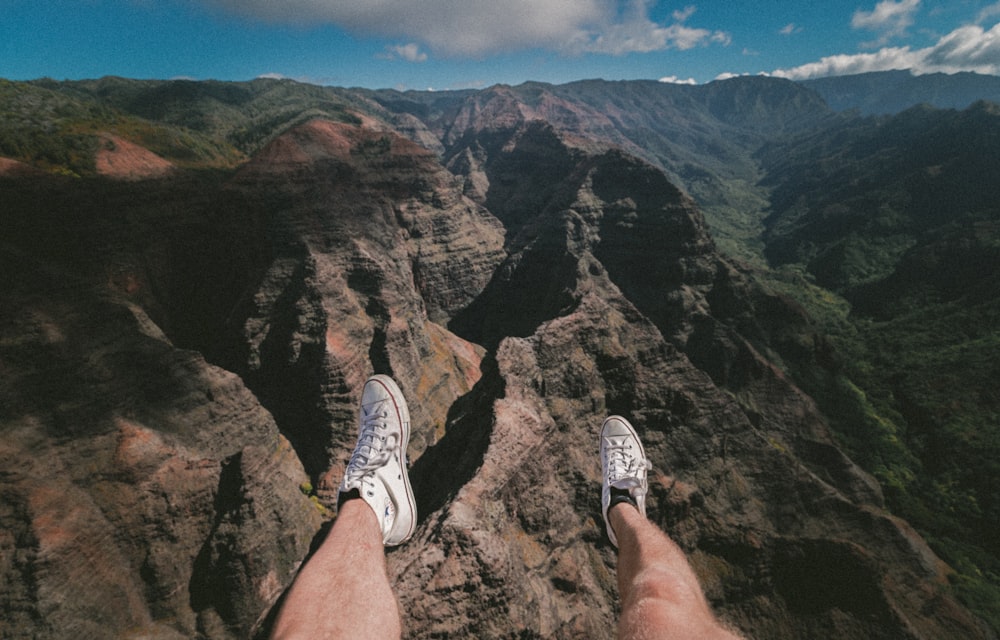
{"x":182,"y":349}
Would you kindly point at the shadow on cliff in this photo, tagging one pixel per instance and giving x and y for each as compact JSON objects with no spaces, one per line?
{"x":444,"y":468}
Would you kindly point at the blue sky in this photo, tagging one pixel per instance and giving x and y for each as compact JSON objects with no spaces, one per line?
{"x":448,"y":44}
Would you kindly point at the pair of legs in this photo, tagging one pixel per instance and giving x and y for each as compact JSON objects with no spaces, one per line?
{"x":661,"y":597}
{"x":333,"y":594}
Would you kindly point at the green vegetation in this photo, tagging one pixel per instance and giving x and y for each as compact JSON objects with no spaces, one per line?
{"x":936,"y":369}
{"x":56,"y":126}
{"x":59,"y":131}
{"x":888,"y":231}
{"x":915,"y":402}
{"x":916,"y":324}
{"x":33,"y":128}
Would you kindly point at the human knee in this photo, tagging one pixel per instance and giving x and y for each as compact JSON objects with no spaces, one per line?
{"x":669,"y":587}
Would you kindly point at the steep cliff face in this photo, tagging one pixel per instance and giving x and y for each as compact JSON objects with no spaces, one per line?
{"x":371,"y":248}
{"x":542,"y":283}
{"x":705,"y":138}
{"x":141,"y":485}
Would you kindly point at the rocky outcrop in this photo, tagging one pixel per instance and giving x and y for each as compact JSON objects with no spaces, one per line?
{"x":14,"y":169}
{"x":372,"y":248}
{"x":141,"y":485}
{"x":519,"y":550}
{"x":652,"y":242}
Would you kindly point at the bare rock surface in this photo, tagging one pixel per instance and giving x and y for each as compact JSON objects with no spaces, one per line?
{"x":373,"y":248}
{"x":141,"y":485}
{"x":14,"y":168}
{"x":118,"y":158}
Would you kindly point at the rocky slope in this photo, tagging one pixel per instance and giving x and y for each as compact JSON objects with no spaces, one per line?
{"x":702,"y":137}
{"x":142,"y":486}
{"x":370,"y":248}
{"x":743,"y":459}
{"x":182,"y":357}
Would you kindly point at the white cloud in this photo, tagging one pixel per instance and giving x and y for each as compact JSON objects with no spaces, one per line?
{"x":988,"y":12}
{"x":681,"y":15}
{"x":481,"y":27}
{"x":643,"y":38}
{"x":676,"y":80}
{"x":891,"y":19}
{"x":848,"y":64}
{"x":968,"y":48}
{"x":457,"y":27}
{"x":409,"y":52}
{"x":789,"y":29}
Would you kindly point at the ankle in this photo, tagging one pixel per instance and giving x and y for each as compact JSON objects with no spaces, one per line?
{"x":344,"y":496}
{"x":621,"y":496}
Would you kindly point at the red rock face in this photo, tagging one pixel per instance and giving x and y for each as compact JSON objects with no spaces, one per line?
{"x":150,"y":488}
{"x":123,"y":458}
{"x":118,"y":158}
{"x":13,"y":169}
{"x":373,"y":249}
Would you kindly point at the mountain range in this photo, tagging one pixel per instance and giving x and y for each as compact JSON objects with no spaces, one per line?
{"x":791,"y":289}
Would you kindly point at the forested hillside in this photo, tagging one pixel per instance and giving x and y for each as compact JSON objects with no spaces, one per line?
{"x":896,"y":223}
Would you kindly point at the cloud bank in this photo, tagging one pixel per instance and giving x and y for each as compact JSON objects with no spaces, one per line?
{"x":890,"y":19}
{"x":410,"y":52}
{"x":677,"y":80}
{"x":483,"y":27}
{"x":968,"y":48}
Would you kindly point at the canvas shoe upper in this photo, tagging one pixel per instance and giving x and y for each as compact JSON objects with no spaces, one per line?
{"x":623,"y":466}
{"x":377,"y":469}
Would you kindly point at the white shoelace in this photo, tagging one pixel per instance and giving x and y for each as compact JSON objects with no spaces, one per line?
{"x":374,"y":449}
{"x":624,"y":468}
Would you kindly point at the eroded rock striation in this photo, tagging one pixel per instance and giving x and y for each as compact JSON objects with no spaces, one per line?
{"x":179,"y":393}
{"x":372,"y":247}
{"x":142,"y":487}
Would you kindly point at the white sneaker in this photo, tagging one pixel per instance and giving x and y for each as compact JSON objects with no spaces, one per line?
{"x":623,"y":467}
{"x":377,"y":469}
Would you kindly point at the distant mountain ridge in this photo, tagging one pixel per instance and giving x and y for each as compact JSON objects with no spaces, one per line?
{"x":890,"y":92}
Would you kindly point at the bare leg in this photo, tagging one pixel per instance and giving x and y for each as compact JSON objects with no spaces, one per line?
{"x":660,"y":594}
{"x":343,"y":591}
